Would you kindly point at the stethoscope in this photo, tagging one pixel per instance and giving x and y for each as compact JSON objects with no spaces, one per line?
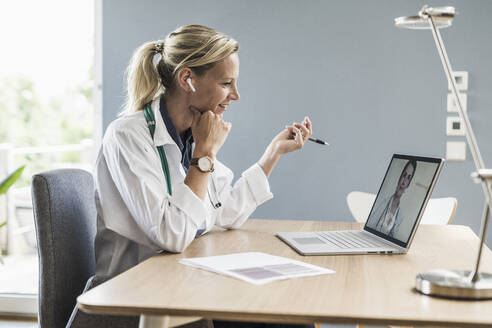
{"x":149,"y":117}
{"x":382,"y":217}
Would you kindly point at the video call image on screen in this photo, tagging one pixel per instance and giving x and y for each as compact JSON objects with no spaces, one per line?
{"x":401,"y":196}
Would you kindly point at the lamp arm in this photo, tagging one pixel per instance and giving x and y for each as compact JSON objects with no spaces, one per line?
{"x":470,"y":137}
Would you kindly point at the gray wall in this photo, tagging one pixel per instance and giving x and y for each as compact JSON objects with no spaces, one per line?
{"x":370,"y":89}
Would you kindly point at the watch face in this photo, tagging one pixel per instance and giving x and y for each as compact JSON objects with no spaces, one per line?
{"x":205,"y":164}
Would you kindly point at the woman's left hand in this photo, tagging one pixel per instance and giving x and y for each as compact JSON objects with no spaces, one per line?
{"x":293,"y":137}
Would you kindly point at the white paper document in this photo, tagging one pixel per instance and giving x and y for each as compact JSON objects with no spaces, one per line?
{"x":256,"y":268}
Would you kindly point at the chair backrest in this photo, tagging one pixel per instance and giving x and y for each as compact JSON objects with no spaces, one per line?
{"x":437,"y":211}
{"x":65,"y":219}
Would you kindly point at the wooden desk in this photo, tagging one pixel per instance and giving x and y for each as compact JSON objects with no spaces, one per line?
{"x":368,"y":289}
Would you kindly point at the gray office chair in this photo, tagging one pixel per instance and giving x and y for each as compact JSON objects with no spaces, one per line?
{"x":65,"y":220}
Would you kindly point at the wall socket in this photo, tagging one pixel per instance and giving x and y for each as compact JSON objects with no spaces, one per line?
{"x":461,"y":79}
{"x":454,"y":126}
{"x":451,"y":103}
{"x":455,"y":151}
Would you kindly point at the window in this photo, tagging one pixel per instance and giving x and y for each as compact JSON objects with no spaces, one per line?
{"x":46,"y":120}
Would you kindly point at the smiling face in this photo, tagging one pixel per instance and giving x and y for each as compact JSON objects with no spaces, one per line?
{"x":217,"y":87}
{"x":405,"y":179}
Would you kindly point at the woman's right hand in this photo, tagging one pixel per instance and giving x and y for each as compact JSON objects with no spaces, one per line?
{"x":209,"y":132}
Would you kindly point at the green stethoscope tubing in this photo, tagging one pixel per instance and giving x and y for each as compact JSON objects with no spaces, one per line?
{"x":149,"y":116}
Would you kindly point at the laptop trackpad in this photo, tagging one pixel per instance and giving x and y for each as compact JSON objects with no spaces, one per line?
{"x":308,"y":240}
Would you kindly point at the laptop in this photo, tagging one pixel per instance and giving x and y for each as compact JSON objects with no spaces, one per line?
{"x":394,"y":217}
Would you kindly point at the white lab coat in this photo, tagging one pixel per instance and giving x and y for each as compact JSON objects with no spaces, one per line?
{"x":382,"y":220}
{"x":137,"y":218}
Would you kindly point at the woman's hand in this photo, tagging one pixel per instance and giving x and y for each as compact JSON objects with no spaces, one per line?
{"x":209,"y":133}
{"x":292,"y":138}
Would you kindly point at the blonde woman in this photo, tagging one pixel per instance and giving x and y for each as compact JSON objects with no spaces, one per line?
{"x":159,"y":184}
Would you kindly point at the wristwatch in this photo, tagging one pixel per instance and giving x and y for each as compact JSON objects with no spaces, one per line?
{"x":204,"y":164}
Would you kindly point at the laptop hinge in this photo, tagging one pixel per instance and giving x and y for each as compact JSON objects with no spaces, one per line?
{"x":387,"y":242}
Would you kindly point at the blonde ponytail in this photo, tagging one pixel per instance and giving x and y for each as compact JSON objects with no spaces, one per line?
{"x":195,"y":46}
{"x":142,"y":77}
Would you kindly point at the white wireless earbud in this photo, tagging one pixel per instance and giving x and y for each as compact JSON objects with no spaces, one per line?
{"x":188,"y":80}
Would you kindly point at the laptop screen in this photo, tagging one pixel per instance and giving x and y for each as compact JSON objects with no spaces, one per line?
{"x":399,"y":204}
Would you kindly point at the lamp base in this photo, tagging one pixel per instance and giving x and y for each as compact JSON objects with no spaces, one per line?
{"x":454,"y":284}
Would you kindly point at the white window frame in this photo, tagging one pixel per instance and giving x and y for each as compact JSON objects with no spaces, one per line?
{"x":19,"y":305}
{"x":98,"y":76}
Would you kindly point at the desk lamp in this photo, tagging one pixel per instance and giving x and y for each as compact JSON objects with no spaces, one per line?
{"x":455,"y":283}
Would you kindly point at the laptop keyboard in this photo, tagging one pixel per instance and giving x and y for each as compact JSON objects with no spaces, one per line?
{"x":350,"y":239}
